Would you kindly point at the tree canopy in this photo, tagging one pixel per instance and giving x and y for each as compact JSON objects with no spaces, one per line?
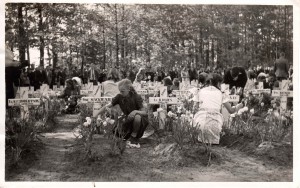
{"x":157,"y":34}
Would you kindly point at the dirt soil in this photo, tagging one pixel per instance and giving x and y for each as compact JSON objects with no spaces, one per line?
{"x":62,"y":160}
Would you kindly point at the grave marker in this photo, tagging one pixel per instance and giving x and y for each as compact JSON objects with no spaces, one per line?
{"x":97,"y":102}
{"x":24,"y":102}
{"x":283,"y":94}
{"x":163,"y":101}
{"x":89,"y":89}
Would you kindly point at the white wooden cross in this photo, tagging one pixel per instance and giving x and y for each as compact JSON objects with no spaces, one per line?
{"x":96,"y":99}
{"x":184,"y":85}
{"x":283,"y":94}
{"x":44,"y":89}
{"x":97,"y":102}
{"x":145,"y":92}
{"x":194,"y":83}
{"x":55,"y":88}
{"x":260,"y":89}
{"x":163,"y":101}
{"x":137,"y":86}
{"x":89,"y":89}
{"x":232,"y":98}
{"x":24,"y":102}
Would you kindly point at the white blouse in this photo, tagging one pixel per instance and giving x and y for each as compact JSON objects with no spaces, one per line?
{"x":211,"y":97}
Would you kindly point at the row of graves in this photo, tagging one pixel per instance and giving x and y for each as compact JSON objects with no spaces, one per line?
{"x":155,"y":93}
{"x":26,"y":97}
{"x":152,"y":93}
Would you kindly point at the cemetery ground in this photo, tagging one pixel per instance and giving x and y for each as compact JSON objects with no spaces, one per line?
{"x":57,"y":157}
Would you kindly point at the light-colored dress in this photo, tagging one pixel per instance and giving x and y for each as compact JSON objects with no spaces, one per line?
{"x":208,"y":119}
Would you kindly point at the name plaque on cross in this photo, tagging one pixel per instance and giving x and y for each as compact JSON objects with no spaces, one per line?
{"x":18,"y":102}
{"x":168,"y":100}
{"x":95,"y":99}
{"x":283,"y":94}
{"x":259,"y":91}
{"x":142,"y":92}
{"x":234,"y":98}
{"x":278,"y":93}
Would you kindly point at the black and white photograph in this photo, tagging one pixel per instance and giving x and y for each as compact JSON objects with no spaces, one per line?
{"x":149,"y":92}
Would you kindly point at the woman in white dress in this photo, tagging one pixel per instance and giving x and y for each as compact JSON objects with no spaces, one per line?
{"x":209,"y":119}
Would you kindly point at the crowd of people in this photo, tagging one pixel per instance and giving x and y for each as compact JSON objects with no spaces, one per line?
{"x":118,"y":83}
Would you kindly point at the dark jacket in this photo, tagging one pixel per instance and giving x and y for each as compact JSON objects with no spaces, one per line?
{"x":281,"y":68}
{"x":240,"y":82}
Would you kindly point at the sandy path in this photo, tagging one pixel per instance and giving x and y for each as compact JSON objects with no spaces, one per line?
{"x":54,"y":164}
{"x":52,"y":161}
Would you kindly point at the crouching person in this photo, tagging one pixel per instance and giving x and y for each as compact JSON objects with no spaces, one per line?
{"x":135,"y":119}
{"x":209,"y":120}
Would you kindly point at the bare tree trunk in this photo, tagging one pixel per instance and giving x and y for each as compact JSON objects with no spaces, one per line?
{"x":22,"y":45}
{"x":42,"y":45}
{"x":123,"y":35}
{"x":27,"y":38}
{"x":117,"y":35}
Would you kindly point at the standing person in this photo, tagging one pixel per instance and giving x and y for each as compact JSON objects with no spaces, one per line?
{"x":62,"y":75}
{"x":208,"y":119}
{"x":93,"y":74}
{"x":31,"y":75}
{"x":54,"y":80}
{"x":193,"y":73}
{"x":48,"y":73}
{"x":184,"y":74}
{"x":39,"y":77}
{"x":131,"y":104}
{"x":173,"y":73}
{"x":160,"y":75}
{"x":75,"y":72}
{"x":85,"y":74}
{"x":281,"y":67}
{"x":168,"y":82}
{"x":24,"y":79}
{"x":236,"y":77}
{"x":150,"y":75}
{"x":102,"y":76}
{"x":130,"y":75}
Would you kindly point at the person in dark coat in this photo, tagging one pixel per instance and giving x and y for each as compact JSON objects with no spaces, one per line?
{"x":173,"y":73}
{"x":236,"y":77}
{"x":31,"y":76}
{"x":281,"y":68}
{"x":39,"y":77}
{"x":193,"y":73}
